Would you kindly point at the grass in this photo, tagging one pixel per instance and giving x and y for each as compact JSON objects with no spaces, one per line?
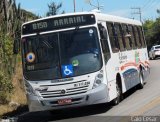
{"x":18,"y":94}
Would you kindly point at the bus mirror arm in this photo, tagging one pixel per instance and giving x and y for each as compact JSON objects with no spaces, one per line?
{"x":16,"y":47}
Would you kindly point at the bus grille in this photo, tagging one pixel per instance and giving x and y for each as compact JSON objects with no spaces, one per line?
{"x":69,"y":91}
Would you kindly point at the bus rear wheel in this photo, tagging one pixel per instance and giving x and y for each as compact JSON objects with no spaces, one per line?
{"x":141,"y":79}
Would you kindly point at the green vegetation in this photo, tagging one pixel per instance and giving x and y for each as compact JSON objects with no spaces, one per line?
{"x":152,"y":31}
{"x":11,"y":18}
{"x":5,"y":85}
{"x":54,"y":9}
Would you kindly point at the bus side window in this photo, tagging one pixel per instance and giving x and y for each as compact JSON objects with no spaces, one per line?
{"x":137,"y":37}
{"x":118,"y":30}
{"x":132,"y":36}
{"x":113,"y":38}
{"x":141,"y":36}
{"x":104,"y":42}
{"x":103,"y":32}
{"x":127,"y":36}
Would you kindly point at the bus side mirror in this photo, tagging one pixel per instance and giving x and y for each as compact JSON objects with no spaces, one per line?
{"x":16,"y":47}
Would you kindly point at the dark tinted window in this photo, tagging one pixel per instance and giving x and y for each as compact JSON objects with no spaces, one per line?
{"x":127,"y":37}
{"x":113,"y":37}
{"x":104,"y":42}
{"x":130,"y":29}
{"x":43,"y":48}
{"x":40,"y":57}
{"x":138,"y":41}
{"x":118,"y":34}
{"x":62,"y":54}
{"x":141,"y":36}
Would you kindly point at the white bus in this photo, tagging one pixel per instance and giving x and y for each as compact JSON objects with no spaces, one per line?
{"x":81,"y":59}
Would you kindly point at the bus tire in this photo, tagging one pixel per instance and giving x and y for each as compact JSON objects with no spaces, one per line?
{"x":141,"y":79}
{"x":54,"y":112}
{"x":117,"y":100}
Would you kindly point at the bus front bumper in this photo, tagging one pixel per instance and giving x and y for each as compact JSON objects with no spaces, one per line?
{"x":94,"y":96}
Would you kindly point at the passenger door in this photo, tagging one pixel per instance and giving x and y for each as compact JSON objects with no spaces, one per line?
{"x":104,"y":41}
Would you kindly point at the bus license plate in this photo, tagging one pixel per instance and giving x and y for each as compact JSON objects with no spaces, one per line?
{"x":81,"y":84}
{"x":64,"y":101}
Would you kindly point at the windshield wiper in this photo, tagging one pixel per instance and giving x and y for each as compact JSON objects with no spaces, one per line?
{"x":47,"y":44}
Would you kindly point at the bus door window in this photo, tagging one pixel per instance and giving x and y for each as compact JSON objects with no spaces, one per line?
{"x":113,"y":38}
{"x":127,"y":37}
{"x":104,"y":42}
{"x":119,"y":34}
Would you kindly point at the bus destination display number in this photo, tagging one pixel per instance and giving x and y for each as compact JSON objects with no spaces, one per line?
{"x":40,"y":25}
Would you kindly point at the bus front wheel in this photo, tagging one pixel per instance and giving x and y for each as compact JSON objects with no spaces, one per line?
{"x":117,"y":100}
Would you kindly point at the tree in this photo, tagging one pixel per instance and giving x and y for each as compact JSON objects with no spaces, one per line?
{"x":11,"y":19}
{"x":54,"y":9}
{"x":152,"y":32}
{"x":148,"y":30}
{"x":156,"y":30}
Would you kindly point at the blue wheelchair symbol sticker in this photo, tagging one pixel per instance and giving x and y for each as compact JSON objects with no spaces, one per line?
{"x":67,"y":70}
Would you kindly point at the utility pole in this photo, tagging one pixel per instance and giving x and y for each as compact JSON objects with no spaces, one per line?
{"x":139,"y":12}
{"x":74,"y":3}
{"x":98,"y":5}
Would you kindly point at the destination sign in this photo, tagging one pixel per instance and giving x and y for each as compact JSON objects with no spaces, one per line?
{"x":58,"y":23}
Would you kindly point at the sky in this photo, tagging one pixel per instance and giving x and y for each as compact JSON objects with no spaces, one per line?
{"x":114,"y":7}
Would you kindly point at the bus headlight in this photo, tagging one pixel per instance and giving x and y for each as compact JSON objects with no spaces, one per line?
{"x":98,"y":80}
{"x":29,"y":88}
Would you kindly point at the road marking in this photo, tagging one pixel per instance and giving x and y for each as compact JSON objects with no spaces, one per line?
{"x":147,"y":106}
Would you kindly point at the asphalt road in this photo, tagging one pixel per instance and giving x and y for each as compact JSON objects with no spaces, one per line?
{"x":145,"y":102}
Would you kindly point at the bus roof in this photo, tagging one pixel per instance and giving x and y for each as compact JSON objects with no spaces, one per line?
{"x":99,"y":16}
{"x":118,"y":19}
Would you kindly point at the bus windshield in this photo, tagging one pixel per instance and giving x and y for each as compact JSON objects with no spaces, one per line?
{"x":46,"y":57}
